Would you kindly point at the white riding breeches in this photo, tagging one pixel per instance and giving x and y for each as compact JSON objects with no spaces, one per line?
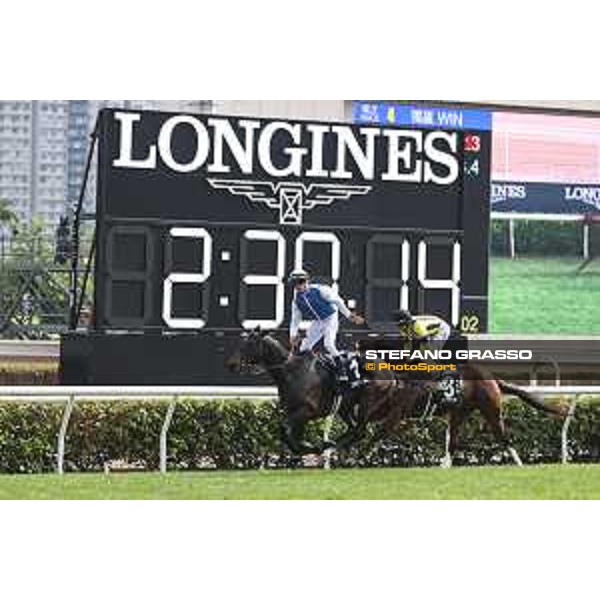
{"x":437,"y":341}
{"x":324,"y":328}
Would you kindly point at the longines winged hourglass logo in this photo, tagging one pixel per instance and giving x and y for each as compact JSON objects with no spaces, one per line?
{"x":291,"y":199}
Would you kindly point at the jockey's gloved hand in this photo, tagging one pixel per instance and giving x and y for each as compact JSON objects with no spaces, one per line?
{"x":357,"y":319}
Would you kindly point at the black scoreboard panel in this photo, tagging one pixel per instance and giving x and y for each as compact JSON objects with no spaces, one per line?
{"x":201,"y":218}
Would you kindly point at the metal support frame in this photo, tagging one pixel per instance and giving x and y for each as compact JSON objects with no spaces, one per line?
{"x":74,"y":316}
{"x":86,"y":275}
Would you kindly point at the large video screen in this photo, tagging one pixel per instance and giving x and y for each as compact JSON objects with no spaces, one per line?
{"x":541,"y":162}
{"x":544,"y":163}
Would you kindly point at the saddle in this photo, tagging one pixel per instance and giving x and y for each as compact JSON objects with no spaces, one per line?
{"x":327,"y":362}
{"x":444,"y":388}
{"x":349,"y":364}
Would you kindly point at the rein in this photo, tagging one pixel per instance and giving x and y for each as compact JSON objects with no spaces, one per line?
{"x":270,"y":368}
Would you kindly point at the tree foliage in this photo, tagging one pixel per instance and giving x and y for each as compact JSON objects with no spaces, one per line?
{"x":8,"y":219}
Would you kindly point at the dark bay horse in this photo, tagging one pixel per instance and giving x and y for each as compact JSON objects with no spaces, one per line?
{"x":307,"y":389}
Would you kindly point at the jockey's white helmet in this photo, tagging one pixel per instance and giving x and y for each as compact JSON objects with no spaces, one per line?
{"x":298,"y":275}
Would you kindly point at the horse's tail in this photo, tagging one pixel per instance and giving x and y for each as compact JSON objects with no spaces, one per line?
{"x":533,"y":400}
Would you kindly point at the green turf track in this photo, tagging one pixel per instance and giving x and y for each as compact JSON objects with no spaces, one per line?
{"x":544,"y":295}
{"x":540,"y":482}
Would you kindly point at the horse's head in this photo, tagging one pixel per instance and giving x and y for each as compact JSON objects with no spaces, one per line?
{"x":257,"y":352}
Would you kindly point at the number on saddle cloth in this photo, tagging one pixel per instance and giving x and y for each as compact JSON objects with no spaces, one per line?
{"x":353,"y":366}
{"x":450,"y":387}
{"x":350,"y":361}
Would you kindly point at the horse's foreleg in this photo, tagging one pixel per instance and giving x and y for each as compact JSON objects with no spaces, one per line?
{"x":366,"y":412}
{"x":290,"y":439}
{"x":347,"y":414}
{"x":447,"y":460}
{"x":453,"y":431}
{"x":351,"y":436}
{"x":492,"y":413}
{"x":294,"y":435}
{"x":356,"y":428}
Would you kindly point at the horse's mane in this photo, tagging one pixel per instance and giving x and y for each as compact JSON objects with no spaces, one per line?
{"x":295,"y":363}
{"x":276,"y":346}
{"x":279,"y":354}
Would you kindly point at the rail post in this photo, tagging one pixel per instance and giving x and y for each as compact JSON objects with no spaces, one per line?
{"x":164,"y":433}
{"x":511,"y":239}
{"x":557,"y":375}
{"x":533,"y":378}
{"x":565,"y":432}
{"x":60,"y":451}
{"x":533,"y":372}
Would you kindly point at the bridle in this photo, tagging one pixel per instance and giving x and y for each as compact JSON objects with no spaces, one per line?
{"x":259,"y":361}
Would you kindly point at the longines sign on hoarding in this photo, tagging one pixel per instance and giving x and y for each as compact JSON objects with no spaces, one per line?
{"x":245,"y":146}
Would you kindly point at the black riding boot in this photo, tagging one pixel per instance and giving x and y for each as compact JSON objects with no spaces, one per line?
{"x":340,"y":371}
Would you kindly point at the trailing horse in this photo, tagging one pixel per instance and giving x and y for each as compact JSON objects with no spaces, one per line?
{"x":481,"y":391}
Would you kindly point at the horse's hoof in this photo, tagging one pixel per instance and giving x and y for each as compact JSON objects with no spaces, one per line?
{"x":296,"y":462}
{"x":326,"y":462}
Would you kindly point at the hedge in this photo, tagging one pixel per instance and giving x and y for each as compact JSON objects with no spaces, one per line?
{"x":237,"y":434}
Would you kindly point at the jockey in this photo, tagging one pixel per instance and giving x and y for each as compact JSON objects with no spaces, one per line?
{"x":433,"y":333}
{"x":432,"y":330}
{"x":320,"y":305}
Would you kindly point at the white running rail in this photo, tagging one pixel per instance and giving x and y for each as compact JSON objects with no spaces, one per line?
{"x":69,"y":395}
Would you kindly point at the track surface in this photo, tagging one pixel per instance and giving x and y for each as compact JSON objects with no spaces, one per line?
{"x":539,"y":482}
{"x":544,"y":295}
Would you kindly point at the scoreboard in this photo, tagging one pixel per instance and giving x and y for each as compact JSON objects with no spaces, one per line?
{"x":201,"y":217}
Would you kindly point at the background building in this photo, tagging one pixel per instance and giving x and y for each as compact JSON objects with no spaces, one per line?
{"x":16,"y":156}
{"x":44,"y":146}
